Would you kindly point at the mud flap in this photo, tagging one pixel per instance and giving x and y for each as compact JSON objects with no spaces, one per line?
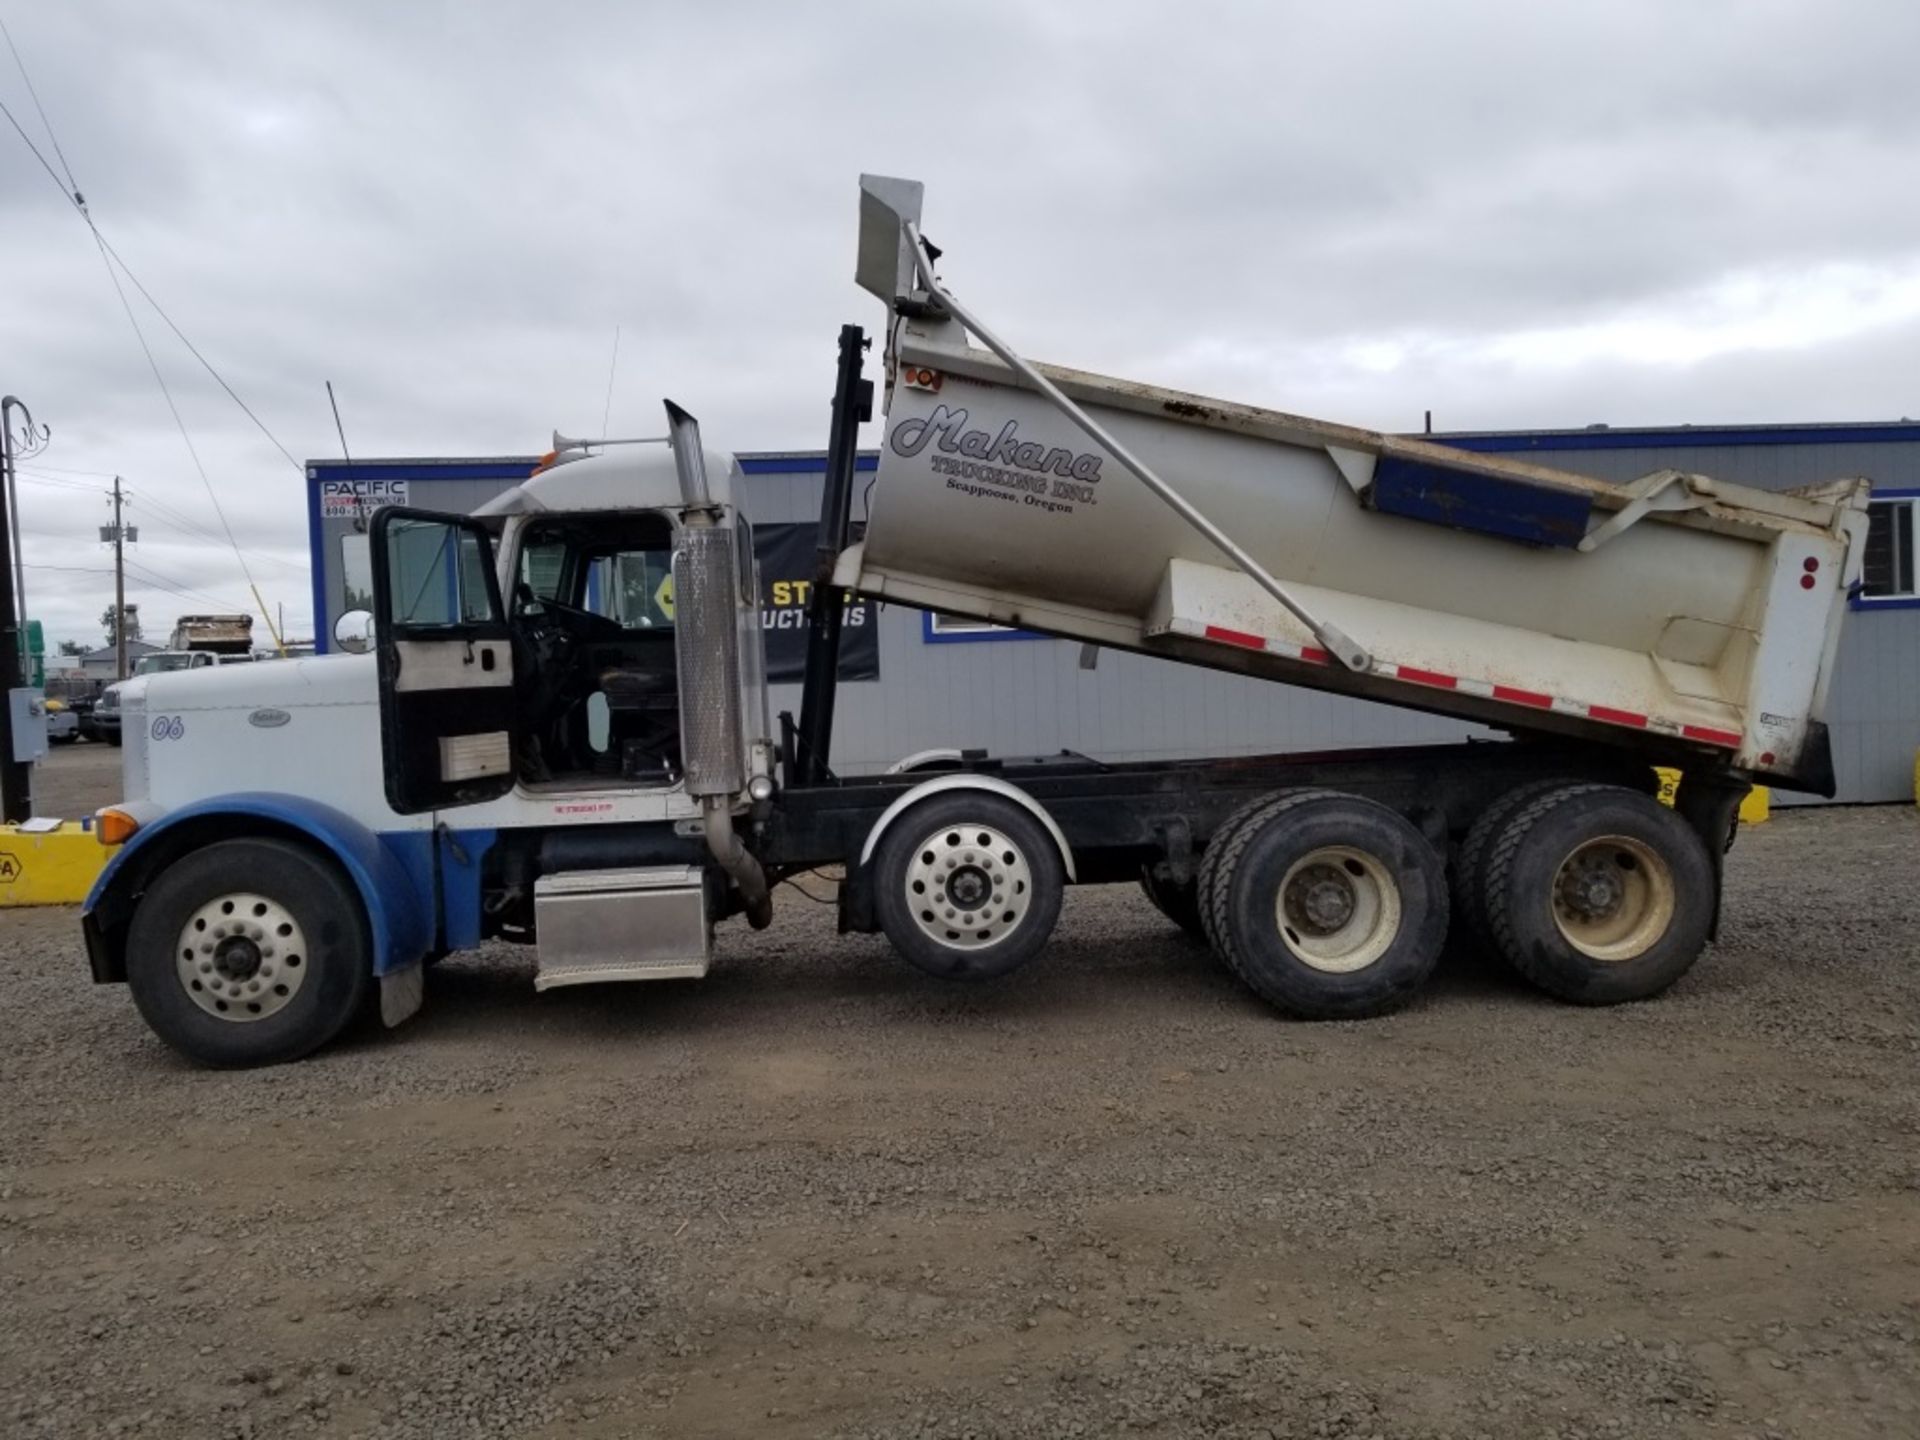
{"x":1711,"y":805}
{"x":401,"y":994}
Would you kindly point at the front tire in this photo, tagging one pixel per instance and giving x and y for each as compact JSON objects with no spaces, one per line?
{"x":249,"y":952}
{"x":968,"y":886}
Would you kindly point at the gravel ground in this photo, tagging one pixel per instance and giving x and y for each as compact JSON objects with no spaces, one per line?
{"x":75,"y":780}
{"x":816,"y":1194}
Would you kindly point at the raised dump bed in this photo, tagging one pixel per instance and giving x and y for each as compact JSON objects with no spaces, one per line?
{"x":1679,"y":614}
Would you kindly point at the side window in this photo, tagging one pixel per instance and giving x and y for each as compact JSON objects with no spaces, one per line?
{"x":633,"y":588}
{"x":543,"y":565}
{"x":1888,"y":570}
{"x":438,"y":574}
{"x":356,"y":571}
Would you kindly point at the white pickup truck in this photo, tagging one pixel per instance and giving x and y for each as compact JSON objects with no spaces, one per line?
{"x":539,"y":752}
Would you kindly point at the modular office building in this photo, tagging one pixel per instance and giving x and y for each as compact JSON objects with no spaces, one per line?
{"x":921,"y":682}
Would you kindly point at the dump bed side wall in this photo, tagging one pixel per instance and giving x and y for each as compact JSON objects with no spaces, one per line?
{"x":993,"y":497}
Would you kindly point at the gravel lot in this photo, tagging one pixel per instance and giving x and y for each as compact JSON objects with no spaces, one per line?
{"x":816,"y":1194}
{"x":76,"y":780}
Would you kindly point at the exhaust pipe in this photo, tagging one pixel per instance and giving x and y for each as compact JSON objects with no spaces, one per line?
{"x":689,"y":462}
{"x":710,"y":740}
{"x":745,"y":872}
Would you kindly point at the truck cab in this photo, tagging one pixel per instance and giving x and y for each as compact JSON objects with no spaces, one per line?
{"x":563,"y":710}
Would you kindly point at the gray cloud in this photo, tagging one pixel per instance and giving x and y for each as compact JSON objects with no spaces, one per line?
{"x":1512,"y":213}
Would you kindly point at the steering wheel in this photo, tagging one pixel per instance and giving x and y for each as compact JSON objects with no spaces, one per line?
{"x":547,"y":636}
{"x":582,"y":624}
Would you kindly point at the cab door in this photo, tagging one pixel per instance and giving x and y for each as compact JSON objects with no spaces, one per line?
{"x":447,"y":713}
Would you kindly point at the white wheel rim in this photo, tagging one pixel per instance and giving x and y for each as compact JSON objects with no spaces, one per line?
{"x":1338,"y":909}
{"x":241,"y":957}
{"x":968,"y":886}
{"x":1613,"y":898}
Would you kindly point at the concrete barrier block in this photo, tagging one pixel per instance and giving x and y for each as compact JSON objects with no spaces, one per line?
{"x":54,"y":866}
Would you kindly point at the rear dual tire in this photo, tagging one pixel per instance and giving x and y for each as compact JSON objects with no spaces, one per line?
{"x":1597,"y":894}
{"x":1327,"y":906}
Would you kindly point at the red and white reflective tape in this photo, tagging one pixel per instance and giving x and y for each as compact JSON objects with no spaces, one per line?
{"x":1484,"y":689}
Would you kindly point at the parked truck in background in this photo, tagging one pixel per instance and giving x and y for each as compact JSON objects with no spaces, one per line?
{"x":540,"y":751}
{"x":218,"y":635}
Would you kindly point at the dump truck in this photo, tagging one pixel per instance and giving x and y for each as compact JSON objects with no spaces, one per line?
{"x":218,"y":635}
{"x":561,"y":737}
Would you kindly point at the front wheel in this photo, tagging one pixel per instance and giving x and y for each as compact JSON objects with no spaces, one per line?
{"x":968,"y":885}
{"x":249,"y":952}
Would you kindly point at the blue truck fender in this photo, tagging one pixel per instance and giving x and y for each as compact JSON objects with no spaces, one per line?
{"x":400,"y":913}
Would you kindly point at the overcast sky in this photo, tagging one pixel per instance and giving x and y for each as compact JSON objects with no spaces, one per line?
{"x":1515,"y":214}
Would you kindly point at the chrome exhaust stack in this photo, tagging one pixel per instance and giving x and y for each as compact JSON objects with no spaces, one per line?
{"x":706,"y":615}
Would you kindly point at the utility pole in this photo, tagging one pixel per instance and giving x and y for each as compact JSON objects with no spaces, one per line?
{"x":16,"y":776}
{"x":119,"y":588}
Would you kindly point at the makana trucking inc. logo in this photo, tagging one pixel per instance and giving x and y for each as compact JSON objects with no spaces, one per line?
{"x":999,"y":465}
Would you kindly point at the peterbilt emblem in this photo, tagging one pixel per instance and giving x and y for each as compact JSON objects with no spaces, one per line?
{"x":269,"y":719}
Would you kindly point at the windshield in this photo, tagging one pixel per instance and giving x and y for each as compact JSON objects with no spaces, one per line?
{"x":155,"y":664}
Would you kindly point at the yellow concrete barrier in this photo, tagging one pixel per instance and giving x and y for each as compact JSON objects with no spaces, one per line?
{"x":50,"y":867}
{"x":1756,"y":809}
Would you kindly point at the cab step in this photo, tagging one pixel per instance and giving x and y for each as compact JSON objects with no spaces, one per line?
{"x":605,"y":925}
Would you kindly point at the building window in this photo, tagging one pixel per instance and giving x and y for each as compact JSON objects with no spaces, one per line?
{"x":939,"y":628}
{"x":945,"y":624}
{"x":1888,"y":571}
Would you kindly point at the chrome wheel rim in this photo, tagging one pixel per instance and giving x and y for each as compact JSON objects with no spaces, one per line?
{"x":1338,"y":909}
{"x":241,"y":957}
{"x":1613,"y":898}
{"x":968,"y":886}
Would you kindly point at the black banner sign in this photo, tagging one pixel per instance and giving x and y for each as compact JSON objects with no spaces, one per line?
{"x":786,"y":558}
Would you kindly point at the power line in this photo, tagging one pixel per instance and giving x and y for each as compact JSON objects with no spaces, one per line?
{"x":159,"y":514}
{"x":192,"y":349}
{"x":71,"y":193}
{"x":72,"y":470}
{"x":165,"y":515}
{"x":73,"y":198}
{"x":34,"y":94}
{"x":55,"y":482}
{"x":150,"y":580}
{"x":178,"y":420}
{"x":110,"y":258}
{"x":181,"y":589}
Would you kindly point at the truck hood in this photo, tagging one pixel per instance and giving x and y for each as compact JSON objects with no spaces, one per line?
{"x":282,"y":684}
{"x":288,"y":727}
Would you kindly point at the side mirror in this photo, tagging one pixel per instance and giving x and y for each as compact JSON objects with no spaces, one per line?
{"x":353,"y":632}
